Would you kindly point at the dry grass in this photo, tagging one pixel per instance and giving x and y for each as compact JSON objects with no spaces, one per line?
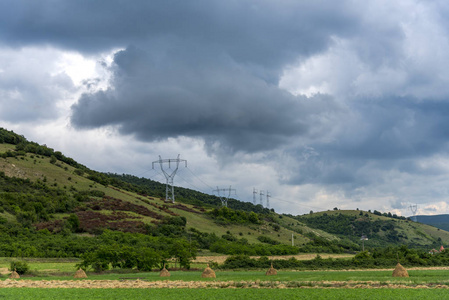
{"x":271,"y":271}
{"x":164,"y":273}
{"x":101,"y":284}
{"x":308,"y":256}
{"x":14,"y":275}
{"x":80,"y":274}
{"x":208,"y":273}
{"x":400,"y":271}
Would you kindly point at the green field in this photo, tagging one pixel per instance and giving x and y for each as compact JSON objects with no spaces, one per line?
{"x":363,"y":284}
{"x":38,"y":293}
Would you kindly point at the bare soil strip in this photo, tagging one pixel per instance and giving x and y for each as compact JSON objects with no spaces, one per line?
{"x":138,"y":284}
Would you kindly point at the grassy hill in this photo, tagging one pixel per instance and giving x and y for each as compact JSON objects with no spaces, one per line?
{"x":50,"y":205}
{"x":380,"y":229}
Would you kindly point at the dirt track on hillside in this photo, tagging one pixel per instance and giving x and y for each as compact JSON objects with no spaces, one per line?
{"x":114,"y":284}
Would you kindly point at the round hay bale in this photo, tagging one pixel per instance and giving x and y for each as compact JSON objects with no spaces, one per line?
{"x":14,"y":275}
{"x":164,"y":272}
{"x":208,"y":273}
{"x":271,"y":271}
{"x":400,"y":271}
{"x":80,"y":274}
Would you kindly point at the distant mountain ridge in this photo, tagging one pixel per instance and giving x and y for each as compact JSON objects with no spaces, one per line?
{"x":438,"y":221}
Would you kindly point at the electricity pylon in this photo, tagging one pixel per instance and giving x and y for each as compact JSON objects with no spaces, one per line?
{"x":254,"y":195}
{"x":261,"y":194}
{"x":363,"y":239}
{"x":169,"y":188}
{"x":268,"y":199}
{"x":414,"y":209}
{"x":224,"y":198}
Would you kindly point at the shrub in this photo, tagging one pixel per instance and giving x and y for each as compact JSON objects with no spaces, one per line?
{"x":267,"y":240}
{"x":21,"y":267}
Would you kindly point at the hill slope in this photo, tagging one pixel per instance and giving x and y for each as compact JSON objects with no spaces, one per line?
{"x":46,"y":196}
{"x":41,"y":189}
{"x":380,"y":230}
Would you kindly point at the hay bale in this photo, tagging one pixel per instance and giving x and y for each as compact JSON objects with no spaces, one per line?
{"x":14,"y":275}
{"x":80,"y":274}
{"x":208,"y":273}
{"x":400,"y":271}
{"x":271,"y":271}
{"x":164,"y":272}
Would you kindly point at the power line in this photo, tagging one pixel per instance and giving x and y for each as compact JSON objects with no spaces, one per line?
{"x":199,"y":179}
{"x":157,"y":173}
{"x":314,"y":207}
{"x":195,"y":187}
{"x":139,"y":175}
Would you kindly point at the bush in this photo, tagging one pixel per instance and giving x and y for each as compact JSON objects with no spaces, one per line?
{"x":21,"y":267}
{"x":267,"y":240}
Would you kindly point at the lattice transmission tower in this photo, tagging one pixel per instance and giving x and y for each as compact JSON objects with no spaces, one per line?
{"x":413,"y":208}
{"x":268,"y":199}
{"x":254,"y":195}
{"x":224,"y":197}
{"x":169,"y":187}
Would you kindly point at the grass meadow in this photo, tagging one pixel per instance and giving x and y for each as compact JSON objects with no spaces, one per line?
{"x":186,"y":294}
{"x":422,"y":284}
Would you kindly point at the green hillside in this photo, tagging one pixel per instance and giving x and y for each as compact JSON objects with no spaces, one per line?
{"x":52,"y":206}
{"x":381,"y":229}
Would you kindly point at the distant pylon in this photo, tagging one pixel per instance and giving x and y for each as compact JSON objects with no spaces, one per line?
{"x":261,"y":193}
{"x":169,"y":187}
{"x":224,"y":199}
{"x":254,"y":195}
{"x":413,"y":208}
{"x":268,"y":199}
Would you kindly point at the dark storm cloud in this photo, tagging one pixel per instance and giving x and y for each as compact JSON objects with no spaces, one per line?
{"x":214,"y":100}
{"x":262,"y":32}
{"x":209,"y":69}
{"x":204,"y":69}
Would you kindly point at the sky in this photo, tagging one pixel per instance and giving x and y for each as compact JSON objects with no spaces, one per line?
{"x":320,"y":103}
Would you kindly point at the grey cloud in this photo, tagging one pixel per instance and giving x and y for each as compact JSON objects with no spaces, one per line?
{"x":31,"y":96}
{"x":397,"y":204}
{"x":253,"y":32}
{"x":205,"y":69}
{"x":379,"y":136}
{"x":215,"y":101}
{"x":393,"y":128}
